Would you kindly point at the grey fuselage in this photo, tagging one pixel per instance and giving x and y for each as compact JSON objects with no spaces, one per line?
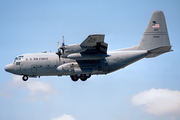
{"x":46,"y":64}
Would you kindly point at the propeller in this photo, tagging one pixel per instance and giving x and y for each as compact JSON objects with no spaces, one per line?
{"x":60,"y":48}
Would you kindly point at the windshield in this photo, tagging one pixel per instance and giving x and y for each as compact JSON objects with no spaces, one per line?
{"x":19,"y":58}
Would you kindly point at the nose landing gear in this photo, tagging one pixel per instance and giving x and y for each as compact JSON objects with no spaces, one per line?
{"x":25,"y":78}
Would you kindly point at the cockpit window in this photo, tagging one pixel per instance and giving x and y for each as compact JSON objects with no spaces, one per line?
{"x":18,"y":58}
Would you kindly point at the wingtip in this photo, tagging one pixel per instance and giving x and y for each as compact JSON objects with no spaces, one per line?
{"x":97,"y":35}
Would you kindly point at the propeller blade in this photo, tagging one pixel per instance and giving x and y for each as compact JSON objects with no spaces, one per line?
{"x":63,"y":41}
{"x":59,"y":51}
{"x":58,"y":45}
{"x":62,"y":47}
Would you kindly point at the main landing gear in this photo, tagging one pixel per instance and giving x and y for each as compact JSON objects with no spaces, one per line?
{"x":25,"y":78}
{"x":83,"y":77}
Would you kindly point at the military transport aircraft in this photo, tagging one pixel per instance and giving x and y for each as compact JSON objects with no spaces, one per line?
{"x":91,"y":56}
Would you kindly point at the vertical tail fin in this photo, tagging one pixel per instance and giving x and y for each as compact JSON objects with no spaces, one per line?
{"x":155,"y":38}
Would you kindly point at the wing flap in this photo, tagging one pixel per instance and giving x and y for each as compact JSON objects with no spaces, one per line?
{"x":101,"y":47}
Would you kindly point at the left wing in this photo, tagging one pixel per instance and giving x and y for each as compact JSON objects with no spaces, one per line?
{"x":92,"y":48}
{"x":95,"y":44}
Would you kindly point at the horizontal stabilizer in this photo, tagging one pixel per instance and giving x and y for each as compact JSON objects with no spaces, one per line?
{"x":158,"y":51}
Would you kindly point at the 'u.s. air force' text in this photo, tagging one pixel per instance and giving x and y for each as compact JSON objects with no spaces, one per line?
{"x":38,"y":59}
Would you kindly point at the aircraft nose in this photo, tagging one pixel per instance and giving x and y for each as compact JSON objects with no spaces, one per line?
{"x":9,"y":68}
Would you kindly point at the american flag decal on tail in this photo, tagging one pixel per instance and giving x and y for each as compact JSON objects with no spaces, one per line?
{"x":156,"y":26}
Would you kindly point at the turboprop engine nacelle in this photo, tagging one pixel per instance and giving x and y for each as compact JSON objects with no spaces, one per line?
{"x":79,"y":56}
{"x":75,"y":48}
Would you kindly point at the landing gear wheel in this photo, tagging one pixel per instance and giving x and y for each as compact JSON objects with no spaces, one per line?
{"x":74,"y":78}
{"x":25,"y":78}
{"x":83,"y":77}
{"x":88,"y":75}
